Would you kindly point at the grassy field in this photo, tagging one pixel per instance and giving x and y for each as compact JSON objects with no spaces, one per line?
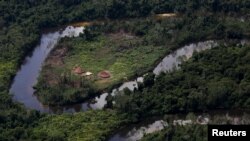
{"x":121,"y":54}
{"x":124,"y":49}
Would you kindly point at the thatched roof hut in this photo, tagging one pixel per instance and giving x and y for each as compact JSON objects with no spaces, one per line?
{"x":104,"y":74}
{"x":78,"y":70}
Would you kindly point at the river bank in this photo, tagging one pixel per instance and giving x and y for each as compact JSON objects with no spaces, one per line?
{"x":21,"y":24}
{"x":170,"y":62}
{"x":159,"y":125}
{"x":81,"y":58}
{"x":89,"y":104}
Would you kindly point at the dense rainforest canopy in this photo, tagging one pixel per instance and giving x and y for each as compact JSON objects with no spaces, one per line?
{"x":127,"y":48}
{"x":219,"y":74}
{"x":21,"y":23}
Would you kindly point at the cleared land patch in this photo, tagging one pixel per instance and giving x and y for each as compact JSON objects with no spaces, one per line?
{"x":77,"y":64}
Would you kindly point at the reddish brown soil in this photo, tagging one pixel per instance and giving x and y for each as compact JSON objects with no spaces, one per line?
{"x":104,"y":74}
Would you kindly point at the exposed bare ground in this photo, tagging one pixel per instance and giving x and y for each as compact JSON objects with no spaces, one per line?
{"x":56,"y":60}
{"x":121,"y":35}
{"x":56,"y":57}
{"x":50,"y":77}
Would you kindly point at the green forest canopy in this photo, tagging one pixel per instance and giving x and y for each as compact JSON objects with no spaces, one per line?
{"x":202,"y":83}
{"x":21,"y":23}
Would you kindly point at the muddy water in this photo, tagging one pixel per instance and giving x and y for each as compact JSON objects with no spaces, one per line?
{"x":137,"y":131}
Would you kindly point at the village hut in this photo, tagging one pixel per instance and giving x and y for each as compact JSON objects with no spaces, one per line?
{"x":78,"y":70}
{"x":104,"y":74}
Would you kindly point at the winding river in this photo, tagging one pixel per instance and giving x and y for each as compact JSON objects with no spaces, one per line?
{"x":26,"y":78}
